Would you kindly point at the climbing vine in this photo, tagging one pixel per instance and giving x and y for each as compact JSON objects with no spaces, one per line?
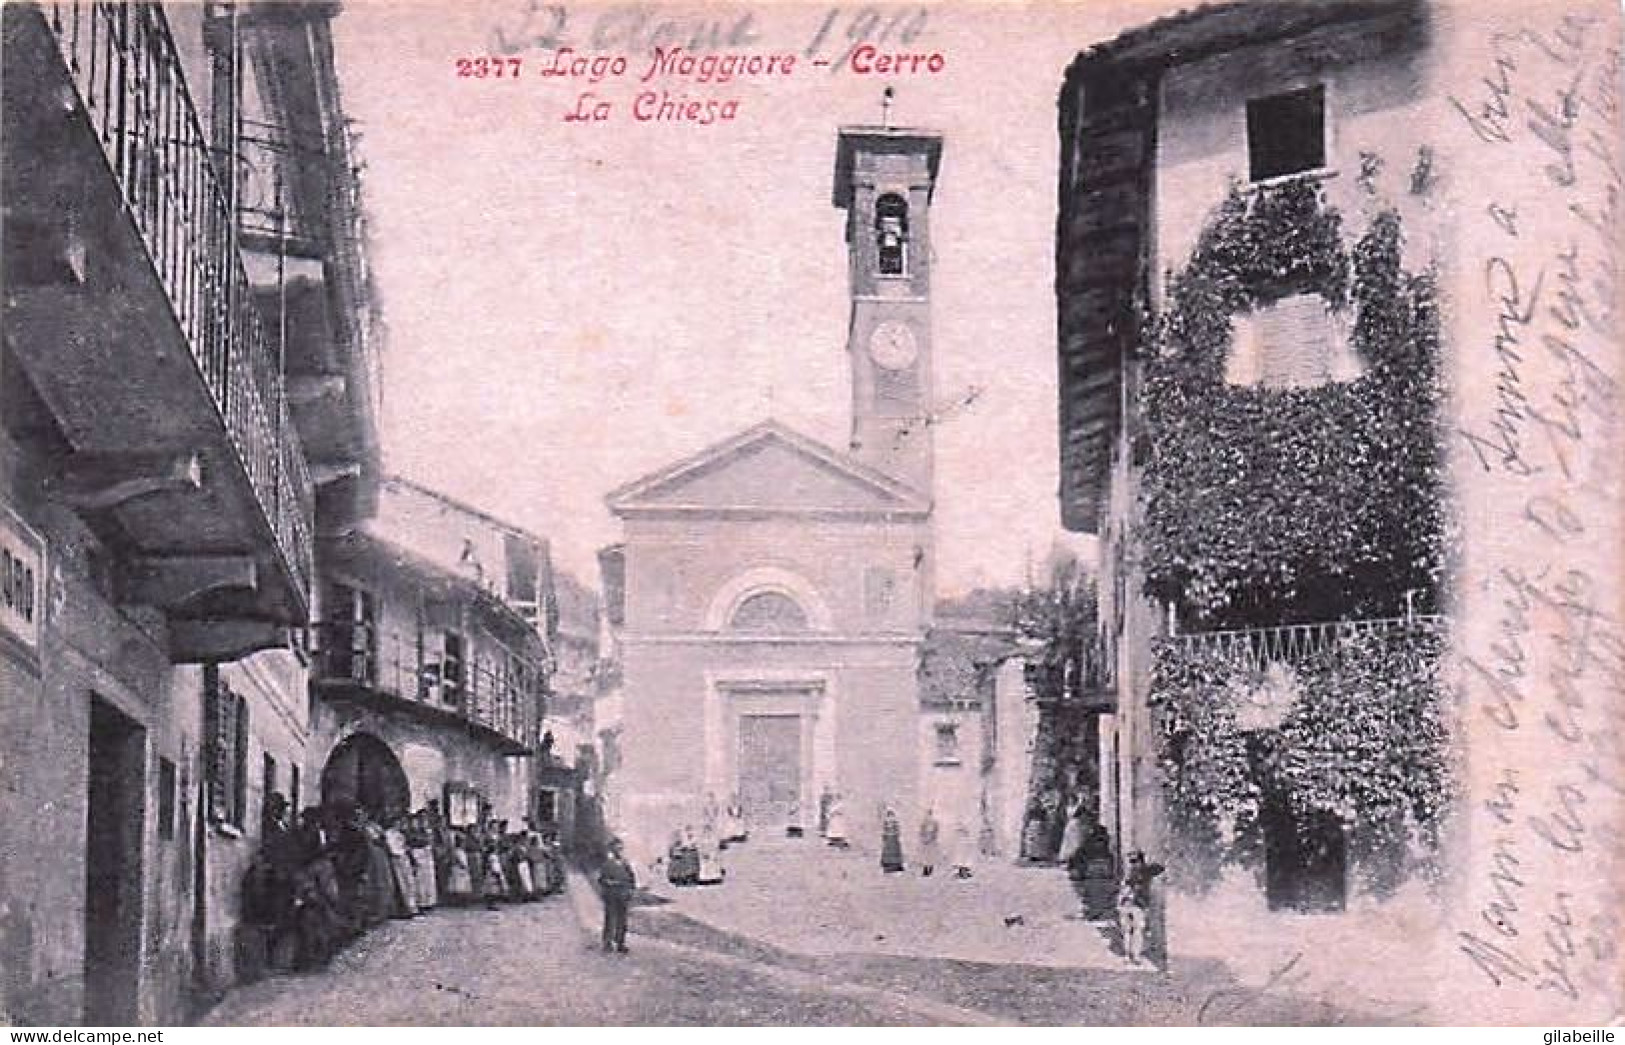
{"x":1362,"y":740}
{"x":1266,"y":506}
{"x":1263,"y":504}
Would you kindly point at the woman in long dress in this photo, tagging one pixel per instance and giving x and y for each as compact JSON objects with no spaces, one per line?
{"x":835,"y":831}
{"x":960,"y":846}
{"x":930,"y":843}
{"x":474,"y":852}
{"x":316,"y":894}
{"x":400,"y":861}
{"x":521,"y":886}
{"x":677,"y":860}
{"x":554,"y":855}
{"x":379,"y":892}
{"x":422,"y":852}
{"x":710,"y":869}
{"x":496,"y":877}
{"x":442,"y":844}
{"x":690,"y":857}
{"x":891,"y":842}
{"x":459,"y":878}
{"x":1072,"y":843}
{"x":733,"y":830}
{"x":536,"y":857}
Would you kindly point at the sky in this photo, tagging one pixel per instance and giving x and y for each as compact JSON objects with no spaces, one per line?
{"x":571,"y":305}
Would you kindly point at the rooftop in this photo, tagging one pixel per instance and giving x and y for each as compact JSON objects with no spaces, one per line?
{"x":884,"y":139}
{"x":1194,"y":33}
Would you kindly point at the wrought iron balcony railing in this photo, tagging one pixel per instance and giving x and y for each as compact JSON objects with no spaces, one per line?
{"x":1258,"y":648}
{"x":1077,"y":671}
{"x":491,"y":686}
{"x":125,"y":67}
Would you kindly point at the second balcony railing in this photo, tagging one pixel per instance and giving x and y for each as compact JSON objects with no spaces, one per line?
{"x":495,"y":687}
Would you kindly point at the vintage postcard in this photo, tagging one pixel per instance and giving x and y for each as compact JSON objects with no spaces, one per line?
{"x":917,"y":514}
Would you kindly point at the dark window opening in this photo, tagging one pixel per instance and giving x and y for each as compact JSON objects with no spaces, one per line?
{"x":452,"y":669}
{"x":1286,"y":133}
{"x":891,"y":235}
{"x":267,"y":783}
{"x":166,"y":800}
{"x":240,"y":782}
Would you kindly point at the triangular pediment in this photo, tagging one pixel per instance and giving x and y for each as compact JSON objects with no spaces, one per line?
{"x":769,"y":469}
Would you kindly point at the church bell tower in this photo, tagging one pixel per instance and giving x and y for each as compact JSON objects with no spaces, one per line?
{"x":884,"y":179}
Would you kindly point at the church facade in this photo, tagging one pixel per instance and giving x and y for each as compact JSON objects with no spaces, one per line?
{"x":777,"y":591}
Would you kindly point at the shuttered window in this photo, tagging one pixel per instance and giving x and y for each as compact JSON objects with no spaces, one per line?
{"x":1296,"y":342}
{"x":226,"y":720}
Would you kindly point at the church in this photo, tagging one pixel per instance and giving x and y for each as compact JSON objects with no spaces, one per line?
{"x":778,"y":593}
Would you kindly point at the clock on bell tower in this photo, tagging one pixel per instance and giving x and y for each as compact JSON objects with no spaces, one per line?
{"x":884,"y":180}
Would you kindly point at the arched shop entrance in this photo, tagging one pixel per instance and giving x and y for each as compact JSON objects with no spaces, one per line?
{"x":364,"y":771}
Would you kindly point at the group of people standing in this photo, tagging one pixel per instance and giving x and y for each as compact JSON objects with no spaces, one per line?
{"x":695,"y":858}
{"x":934,"y":852}
{"x":316,"y":885}
{"x":695,"y":861}
{"x":1124,"y":900}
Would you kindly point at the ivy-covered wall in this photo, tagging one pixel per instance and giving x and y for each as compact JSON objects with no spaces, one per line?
{"x":1263,"y":507}
{"x":1270,"y":505}
{"x":1362,"y":744}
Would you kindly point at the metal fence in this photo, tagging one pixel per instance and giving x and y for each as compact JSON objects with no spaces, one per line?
{"x":1257,"y":648}
{"x":490,"y":684}
{"x":124,"y":64}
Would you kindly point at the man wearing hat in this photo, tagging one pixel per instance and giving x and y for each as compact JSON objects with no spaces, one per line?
{"x":615,"y":884}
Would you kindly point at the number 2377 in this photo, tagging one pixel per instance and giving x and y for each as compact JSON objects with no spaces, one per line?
{"x":487,"y":68}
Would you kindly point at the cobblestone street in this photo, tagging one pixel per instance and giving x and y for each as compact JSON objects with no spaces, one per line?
{"x":716,"y":956}
{"x":530,"y":964}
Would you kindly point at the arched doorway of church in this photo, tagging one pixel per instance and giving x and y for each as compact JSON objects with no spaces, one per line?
{"x":363,"y":771}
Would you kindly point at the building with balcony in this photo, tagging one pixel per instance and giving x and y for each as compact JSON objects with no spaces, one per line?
{"x":1069,"y":690}
{"x":431,"y":661}
{"x":1250,"y":414}
{"x":188,"y":394}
